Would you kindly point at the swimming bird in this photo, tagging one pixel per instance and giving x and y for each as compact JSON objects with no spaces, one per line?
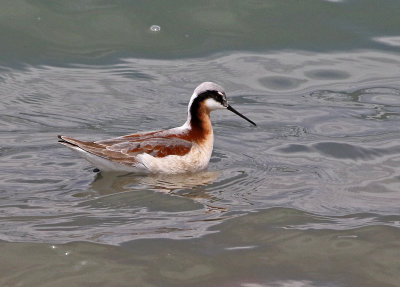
{"x":186,"y":148}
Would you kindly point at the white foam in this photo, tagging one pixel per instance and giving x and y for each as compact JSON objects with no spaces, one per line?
{"x":393,"y":41}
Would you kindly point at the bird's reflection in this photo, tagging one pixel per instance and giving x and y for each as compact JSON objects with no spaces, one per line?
{"x":188,"y":185}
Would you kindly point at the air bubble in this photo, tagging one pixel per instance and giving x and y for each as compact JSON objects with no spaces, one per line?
{"x":155,"y":28}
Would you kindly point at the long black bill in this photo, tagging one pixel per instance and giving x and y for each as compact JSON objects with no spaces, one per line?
{"x":240,"y":115}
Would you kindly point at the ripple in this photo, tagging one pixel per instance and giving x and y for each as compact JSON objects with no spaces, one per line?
{"x":383,"y":96}
{"x":347,"y":151}
{"x":334,"y":96}
{"x":342,"y":150}
{"x":281,"y":83}
{"x":327,"y":74}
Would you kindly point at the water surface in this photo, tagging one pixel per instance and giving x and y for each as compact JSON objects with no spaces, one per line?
{"x":309,"y":197}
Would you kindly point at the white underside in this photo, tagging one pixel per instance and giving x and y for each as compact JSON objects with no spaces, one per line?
{"x":105,"y":164}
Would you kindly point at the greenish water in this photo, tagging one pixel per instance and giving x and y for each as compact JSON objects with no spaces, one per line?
{"x":64,"y":31}
{"x":309,"y":197}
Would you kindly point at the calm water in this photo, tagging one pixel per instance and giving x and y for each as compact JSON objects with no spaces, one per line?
{"x":309,"y":197}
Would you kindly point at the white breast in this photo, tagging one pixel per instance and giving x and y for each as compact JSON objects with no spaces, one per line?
{"x":196,"y":159}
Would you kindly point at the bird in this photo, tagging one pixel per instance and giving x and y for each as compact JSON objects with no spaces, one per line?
{"x":183,"y":149}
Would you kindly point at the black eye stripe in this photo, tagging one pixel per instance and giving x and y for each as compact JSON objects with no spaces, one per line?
{"x":194,"y":108}
{"x":210,"y":94}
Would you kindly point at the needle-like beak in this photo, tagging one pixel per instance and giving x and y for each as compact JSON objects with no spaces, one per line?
{"x":240,"y":115}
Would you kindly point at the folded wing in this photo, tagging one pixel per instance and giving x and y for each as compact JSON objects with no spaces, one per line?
{"x":125,"y":149}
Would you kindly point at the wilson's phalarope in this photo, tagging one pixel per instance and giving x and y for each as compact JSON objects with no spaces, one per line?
{"x":183,"y":149}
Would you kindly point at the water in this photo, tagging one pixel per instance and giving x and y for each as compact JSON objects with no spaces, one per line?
{"x":309,"y":197}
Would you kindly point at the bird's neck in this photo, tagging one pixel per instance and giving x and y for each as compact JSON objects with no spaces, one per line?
{"x":199,"y":123}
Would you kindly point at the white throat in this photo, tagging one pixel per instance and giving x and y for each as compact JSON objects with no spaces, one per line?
{"x":189,"y":117}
